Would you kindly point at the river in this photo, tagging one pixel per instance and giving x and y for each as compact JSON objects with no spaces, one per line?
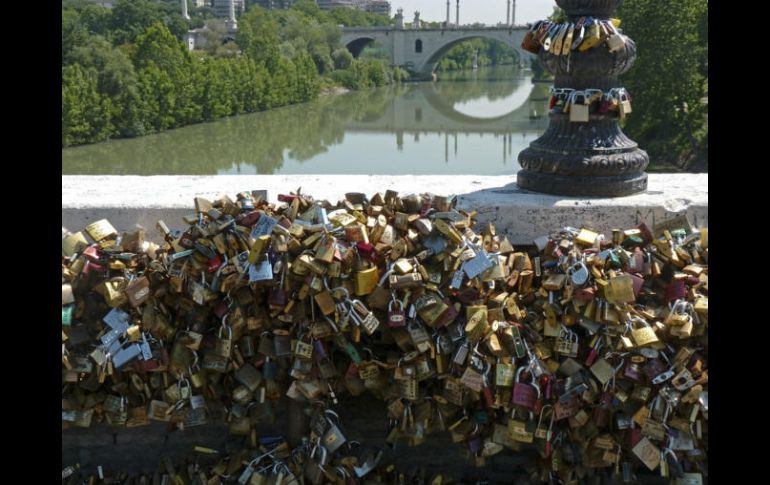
{"x":469,"y":122}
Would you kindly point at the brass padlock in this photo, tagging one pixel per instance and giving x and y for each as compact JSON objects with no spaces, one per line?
{"x":223,"y":345}
{"x":642,"y":333}
{"x":303,"y":349}
{"x":366,"y":281}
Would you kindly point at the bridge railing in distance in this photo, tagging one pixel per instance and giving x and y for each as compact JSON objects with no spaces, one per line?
{"x":432,"y":29}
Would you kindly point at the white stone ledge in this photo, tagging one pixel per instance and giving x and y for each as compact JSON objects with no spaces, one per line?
{"x":129,"y":200}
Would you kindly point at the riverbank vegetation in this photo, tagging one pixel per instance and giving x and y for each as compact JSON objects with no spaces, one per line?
{"x":126,"y":71}
{"x":669,"y":81}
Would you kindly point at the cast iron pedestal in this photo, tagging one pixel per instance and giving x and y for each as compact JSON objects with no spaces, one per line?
{"x":586,"y":159}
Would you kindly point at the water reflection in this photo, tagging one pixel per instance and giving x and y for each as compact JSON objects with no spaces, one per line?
{"x":486,"y":116}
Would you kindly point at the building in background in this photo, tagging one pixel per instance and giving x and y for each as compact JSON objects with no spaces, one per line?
{"x":271,"y":4}
{"x":330,"y":4}
{"x":222,"y":7}
{"x":373,"y":6}
{"x":381,"y":7}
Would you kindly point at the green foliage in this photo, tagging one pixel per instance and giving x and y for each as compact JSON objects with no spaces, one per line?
{"x":669,"y":80}
{"x":126,"y":71}
{"x":491,"y":53}
{"x":358,"y":18}
{"x":130,"y":18}
{"x":558,"y":16}
{"x":342,"y":58}
{"x":73,"y":34}
{"x":363,"y":73}
{"x":85,"y":113}
{"x":258,"y":37}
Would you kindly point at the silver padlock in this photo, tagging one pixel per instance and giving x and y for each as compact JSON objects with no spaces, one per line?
{"x":578,"y":274}
{"x":185,"y":390}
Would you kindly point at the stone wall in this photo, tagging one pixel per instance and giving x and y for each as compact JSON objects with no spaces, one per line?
{"x":129,"y":200}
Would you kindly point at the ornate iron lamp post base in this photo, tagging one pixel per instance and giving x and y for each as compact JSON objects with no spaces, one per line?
{"x":589,"y":155}
{"x":569,"y":185}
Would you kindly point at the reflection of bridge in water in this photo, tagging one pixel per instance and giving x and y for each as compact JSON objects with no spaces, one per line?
{"x":421,"y":109}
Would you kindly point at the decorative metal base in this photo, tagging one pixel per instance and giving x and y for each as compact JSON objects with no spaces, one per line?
{"x":586,"y":157}
{"x":613,"y":186}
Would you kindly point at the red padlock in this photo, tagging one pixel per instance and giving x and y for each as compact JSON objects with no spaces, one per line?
{"x":396,"y":314}
{"x":548,"y":388}
{"x":594,"y":353}
{"x":604,"y":105}
{"x":584,"y":295}
{"x":489,"y":397}
{"x":676,"y":290}
{"x":525,"y":395}
{"x":367,"y":251}
{"x":601,"y":416}
{"x":214,"y":263}
{"x":249,"y":219}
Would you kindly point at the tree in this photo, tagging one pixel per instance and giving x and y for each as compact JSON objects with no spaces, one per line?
{"x":131,"y":17}
{"x":342,"y":58}
{"x":258,"y":37}
{"x":669,"y":80}
{"x":96,"y":19}
{"x":157,"y":45}
{"x":111,"y":67}
{"x":158,"y":97}
{"x":85,"y":113}
{"x":73,"y":34}
{"x":115,"y":80}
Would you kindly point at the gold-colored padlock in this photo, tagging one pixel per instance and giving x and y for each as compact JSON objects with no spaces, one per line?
{"x":366,"y":281}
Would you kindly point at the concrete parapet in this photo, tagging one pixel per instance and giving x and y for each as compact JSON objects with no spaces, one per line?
{"x":129,"y":200}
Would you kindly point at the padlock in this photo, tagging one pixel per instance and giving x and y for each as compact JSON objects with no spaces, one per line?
{"x":366,"y":281}
{"x":524,"y":394}
{"x":223,"y":344}
{"x":304,"y":347}
{"x":246,"y":346}
{"x":396,"y":314}
{"x":282,"y":343}
{"x":326,"y":368}
{"x":522,"y":431}
{"x":505,"y":373}
{"x":266,"y":345}
{"x":333,"y":437}
{"x":418,"y":335}
{"x":567,"y":343}
{"x":642,"y":332}
{"x":578,"y":111}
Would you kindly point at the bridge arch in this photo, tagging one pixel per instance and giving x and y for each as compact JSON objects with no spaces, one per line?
{"x":403,"y":47}
{"x":357,"y":44}
{"x":432,"y":59}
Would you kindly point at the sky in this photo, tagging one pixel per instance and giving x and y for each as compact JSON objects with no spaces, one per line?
{"x":489,"y":12}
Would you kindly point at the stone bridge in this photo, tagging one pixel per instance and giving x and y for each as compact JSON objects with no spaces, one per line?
{"x":419,"y":50}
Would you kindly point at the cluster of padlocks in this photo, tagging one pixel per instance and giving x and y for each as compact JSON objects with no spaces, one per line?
{"x":589,"y":350}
